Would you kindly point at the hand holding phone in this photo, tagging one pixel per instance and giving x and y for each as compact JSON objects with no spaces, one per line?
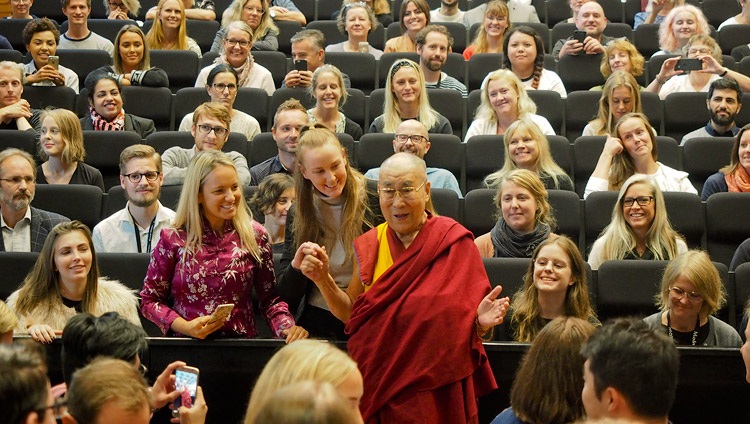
{"x":579,"y":36}
{"x":185,"y":381}
{"x":221,"y":313}
{"x":687,"y":65}
{"x":53,"y":61}
{"x":300,"y":65}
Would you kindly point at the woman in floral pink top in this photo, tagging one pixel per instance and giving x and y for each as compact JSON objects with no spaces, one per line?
{"x":215,"y":254}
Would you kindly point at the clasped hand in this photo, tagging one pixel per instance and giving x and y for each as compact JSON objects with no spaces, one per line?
{"x":312,"y":260}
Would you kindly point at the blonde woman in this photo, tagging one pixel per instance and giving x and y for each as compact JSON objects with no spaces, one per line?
{"x":680,"y":24}
{"x":640,"y":228}
{"x":214,"y":254}
{"x":132,"y":64}
{"x":620,"y":95}
{"x":328,"y":90}
{"x":415,"y":15}
{"x":527,"y":148}
{"x":355,"y":21}
{"x":492,"y":31}
{"x":621,"y":55}
{"x":406,"y":98}
{"x":504,"y":101}
{"x":256,"y":14}
{"x":169,"y":31}
{"x":125,"y":9}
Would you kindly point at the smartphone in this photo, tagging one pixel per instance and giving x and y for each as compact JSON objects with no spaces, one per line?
{"x":364,"y":47}
{"x":53,"y":61}
{"x":688,"y":65}
{"x":185,"y":378}
{"x":579,"y":35}
{"x":221,"y":313}
{"x":300,"y":65}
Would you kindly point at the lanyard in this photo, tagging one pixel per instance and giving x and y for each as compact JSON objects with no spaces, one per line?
{"x":138,"y":234}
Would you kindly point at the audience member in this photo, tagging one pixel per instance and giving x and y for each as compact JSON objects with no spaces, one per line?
{"x":518,"y":12}
{"x":137,"y":227}
{"x":679,"y":26}
{"x":222,"y":84}
{"x":4,"y":43}
{"x":553,"y":363}
{"x":288,"y":122}
{"x":504,"y":101}
{"x":24,"y":386}
{"x":724,"y":103}
{"x":734,"y":177}
{"x":106,"y":112}
{"x":592,"y":20}
{"x":403,"y":261}
{"x":334,"y":206}
{"x":414,"y":15}
{"x":491,"y":34}
{"x":659,"y":10}
{"x":169,"y":31}
{"x":122,"y":9}
{"x":412,"y":137}
{"x":8,"y":321}
{"x":525,"y":147}
{"x":691,"y":293}
{"x":213,"y":237}
{"x":286,"y":10}
{"x":742,"y":18}
{"x":24,"y":228}
{"x":381,"y":8}
{"x":640,"y":227}
{"x":525,"y":220}
{"x":256,"y":14}
{"x":434,"y":43}
{"x":356,"y":21}
{"x":328,"y":90}
{"x":307,"y":360}
{"x":274,"y":197}
{"x":40,"y":36}
{"x":132,"y":64}
{"x":741,"y":255}
{"x":406,"y":97}
{"x":202,"y":10}
{"x":15,"y":113}
{"x":78,"y":35}
{"x":21,"y":9}
{"x":620,"y":357}
{"x":745,"y":349}
{"x":621,"y":55}
{"x":524,"y":56}
{"x":64,"y":281}
{"x":210,"y":130}
{"x":632,"y":150}
{"x":447,"y":12}
{"x":61,"y":148}
{"x":620,"y":95}
{"x":575,"y":7}
{"x":308,"y":45}
{"x":307,"y":402}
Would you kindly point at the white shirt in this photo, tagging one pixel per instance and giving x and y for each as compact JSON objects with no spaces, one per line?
{"x":260,"y":77}
{"x":71,"y":78}
{"x":436,"y":16}
{"x":681,"y":84}
{"x":116,"y":233}
{"x":484,"y":127}
{"x":548,"y":80}
{"x":241,"y":123}
{"x":668,"y":179}
{"x":18,"y":238}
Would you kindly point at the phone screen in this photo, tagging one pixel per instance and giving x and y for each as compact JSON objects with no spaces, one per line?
{"x":300,"y":65}
{"x":185,"y":378}
{"x":689,"y":65}
{"x":579,"y":35}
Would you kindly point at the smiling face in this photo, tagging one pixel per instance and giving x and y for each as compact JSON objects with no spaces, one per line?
{"x":405,"y":85}
{"x":325,"y":167}
{"x":521,"y":50}
{"x":684,"y":309}
{"x":171,"y":15}
{"x":620,"y":102}
{"x":287,"y":128}
{"x":523,"y":149}
{"x":552,"y":270}
{"x":252,"y":13}
{"x":638,"y":217}
{"x":11,"y":86}
{"x":503,"y":98}
{"x":619,"y":60}
{"x":404,"y":213}
{"x":51,"y":139}
{"x":434,"y":52}
{"x":107,"y":100}
{"x":414,"y":19}
{"x":41,"y":47}
{"x":744,"y":150}
{"x":591,"y":19}
{"x":412,"y":127}
{"x":143,"y":193}
{"x":636,"y":138}
{"x":357,"y":23}
{"x":219,"y":195}
{"x":72,"y":257}
{"x":518,"y":206}
{"x":281,"y":207}
{"x":328,"y":90}
{"x":19,"y":9}
{"x":228,"y":94}
{"x":684,"y":26}
{"x":723,"y":106}
{"x":131,"y":50}
{"x":77,"y":12}
{"x":495,"y":25}
{"x":209,"y":141}
{"x":237,"y":54}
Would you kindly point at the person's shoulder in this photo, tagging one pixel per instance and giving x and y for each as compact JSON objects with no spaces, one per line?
{"x":47,"y":216}
{"x":653,"y":320}
{"x":508,"y":416}
{"x":671,"y":172}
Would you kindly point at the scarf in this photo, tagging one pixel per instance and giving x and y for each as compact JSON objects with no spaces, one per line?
{"x":101,"y":124}
{"x":738,"y":180}
{"x":510,"y":244}
{"x":243,"y":72}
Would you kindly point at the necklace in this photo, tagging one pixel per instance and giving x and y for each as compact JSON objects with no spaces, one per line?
{"x":695,"y":330}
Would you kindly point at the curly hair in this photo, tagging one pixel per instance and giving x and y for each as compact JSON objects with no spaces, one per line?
{"x":624,"y":45}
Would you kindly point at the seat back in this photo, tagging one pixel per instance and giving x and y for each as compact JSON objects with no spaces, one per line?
{"x":446,"y":202}
{"x":725,"y":231}
{"x":24,"y":140}
{"x":586,"y":152}
{"x":150,"y":102}
{"x":566,"y":207}
{"x":718,"y":11}
{"x":580,"y":108}
{"x":16,"y":266}
{"x":480,"y":211}
{"x":508,"y":273}
{"x":275,"y":62}
{"x":703,"y":156}
{"x":12,"y":29}
{"x":360,"y":67}
{"x":484,"y":155}
{"x":627,"y":288}
{"x":82,"y":62}
{"x":181,"y":66}
{"x":683,"y":113}
{"x":646,"y":37}
{"x":550,"y":105}
{"x":86,"y":208}
{"x":732,"y":36}
{"x":254,"y":102}
{"x":41,"y":97}
{"x":479,"y":66}
{"x":580,"y":72}
{"x":103,"y":150}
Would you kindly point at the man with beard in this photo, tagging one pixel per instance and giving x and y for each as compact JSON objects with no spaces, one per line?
{"x":434,"y":42}
{"x":24,"y":228}
{"x":724,"y":103}
{"x":288,"y":122}
{"x":592,"y":20}
{"x":447,"y":12}
{"x":412,"y":137}
{"x":137,"y":227}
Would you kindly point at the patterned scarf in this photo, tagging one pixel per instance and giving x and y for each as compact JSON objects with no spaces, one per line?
{"x":101,"y":124}
{"x":738,"y":180}
{"x":510,"y":244}
{"x":243,"y":72}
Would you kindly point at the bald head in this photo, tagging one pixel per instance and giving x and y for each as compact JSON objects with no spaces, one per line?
{"x":411,"y":137}
{"x":404,"y":194}
{"x":402,"y":163}
{"x":591,"y":19}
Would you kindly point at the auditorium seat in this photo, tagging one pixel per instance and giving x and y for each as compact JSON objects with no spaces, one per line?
{"x":683,"y":113}
{"x":446,"y":203}
{"x":646,"y":37}
{"x":741,"y":292}
{"x":732,"y":36}
{"x":275,"y":62}
{"x":127,"y":268}
{"x":24,"y":140}
{"x":726,"y":227}
{"x":263,"y":147}
{"x":181,"y":66}
{"x":480,"y":211}
{"x":479,"y":66}
{"x":550,"y":105}
{"x":361,"y":68}
{"x":42,"y":97}
{"x":717,"y":11}
{"x":580,"y":108}
{"x":82,"y":62}
{"x":287,"y":29}
{"x":566,"y":207}
{"x":15,"y":266}
{"x":49,"y":9}
{"x":704,"y":156}
{"x":149,"y":102}
{"x":11,"y":55}
{"x":103,"y":150}
{"x":627,"y":288}
{"x":254,"y":102}
{"x":75,"y":201}
{"x":508,"y":273}
{"x":12,"y":29}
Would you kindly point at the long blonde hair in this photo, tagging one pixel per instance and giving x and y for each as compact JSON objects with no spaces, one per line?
{"x":622,"y":164}
{"x":189,"y":213}
{"x":695,"y":266}
{"x":526,"y":320}
{"x":525,"y":104}
{"x":155,"y":37}
{"x":619,"y":238}
{"x":531,"y":182}
{"x":494,"y":8}
{"x":266,"y":25}
{"x":70,"y":132}
{"x":604,"y":122}
{"x":391,"y":110}
{"x":308,"y":225}
{"x":636,"y":58}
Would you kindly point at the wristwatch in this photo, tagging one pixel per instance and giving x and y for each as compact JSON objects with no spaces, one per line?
{"x":272,"y":14}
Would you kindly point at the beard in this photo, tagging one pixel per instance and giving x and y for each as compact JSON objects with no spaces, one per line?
{"x":723,"y":121}
{"x":144,"y":200}
{"x":434,"y":65}
{"x":18,"y":201}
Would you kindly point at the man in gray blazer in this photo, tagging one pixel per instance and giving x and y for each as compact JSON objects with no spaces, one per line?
{"x":518,"y":12}
{"x":24,"y":228}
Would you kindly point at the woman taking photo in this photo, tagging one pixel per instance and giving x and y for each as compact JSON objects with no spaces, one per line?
{"x":256,"y":15}
{"x":504,"y":101}
{"x":355,"y":21}
{"x":106,"y":111}
{"x":273,"y":199}
{"x":734,"y":177}
{"x":525,"y":220}
{"x":640,"y":228}
{"x":169,"y":31}
{"x":632,"y":150}
{"x":527,"y":148}
{"x":65,"y":281}
{"x":334,"y":206}
{"x":133,"y":60}
{"x":41,"y":36}
{"x":406,"y":98}
{"x":222,"y":85}
{"x":621,"y":95}
{"x":61,"y":149}
{"x":621,"y":55}
{"x":491,"y":33}
{"x":524,"y":55}
{"x":691,"y":294}
{"x":213,"y":238}
{"x":330,"y":95}
{"x":679,"y":26}
{"x":415,"y":15}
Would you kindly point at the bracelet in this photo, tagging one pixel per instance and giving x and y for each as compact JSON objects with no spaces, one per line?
{"x":660,"y":81}
{"x":480,"y":330}
{"x":726,"y":70}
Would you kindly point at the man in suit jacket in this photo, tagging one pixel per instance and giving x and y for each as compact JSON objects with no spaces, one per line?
{"x":24,"y":228}
{"x":518,"y":12}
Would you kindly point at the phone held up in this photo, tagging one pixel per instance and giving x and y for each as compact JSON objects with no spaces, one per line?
{"x":579,"y":35}
{"x":300,"y":65}
{"x":53,"y":61}
{"x":688,"y":65}
{"x":186,"y":381}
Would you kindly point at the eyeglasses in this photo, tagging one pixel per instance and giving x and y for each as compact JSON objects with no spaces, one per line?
{"x":257,"y":10}
{"x":206,"y":129}
{"x":143,"y":369}
{"x":415,"y":138}
{"x":495,"y":18}
{"x":407,"y":193}
{"x":557,"y":266}
{"x":57,"y":407}
{"x":17,"y":180}
{"x":693,"y":297}
{"x":641,"y":200}
{"x":698,"y":51}
{"x":242,"y":43}
{"x":222,"y":87}
{"x":135,"y":177}
{"x":113,"y":5}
